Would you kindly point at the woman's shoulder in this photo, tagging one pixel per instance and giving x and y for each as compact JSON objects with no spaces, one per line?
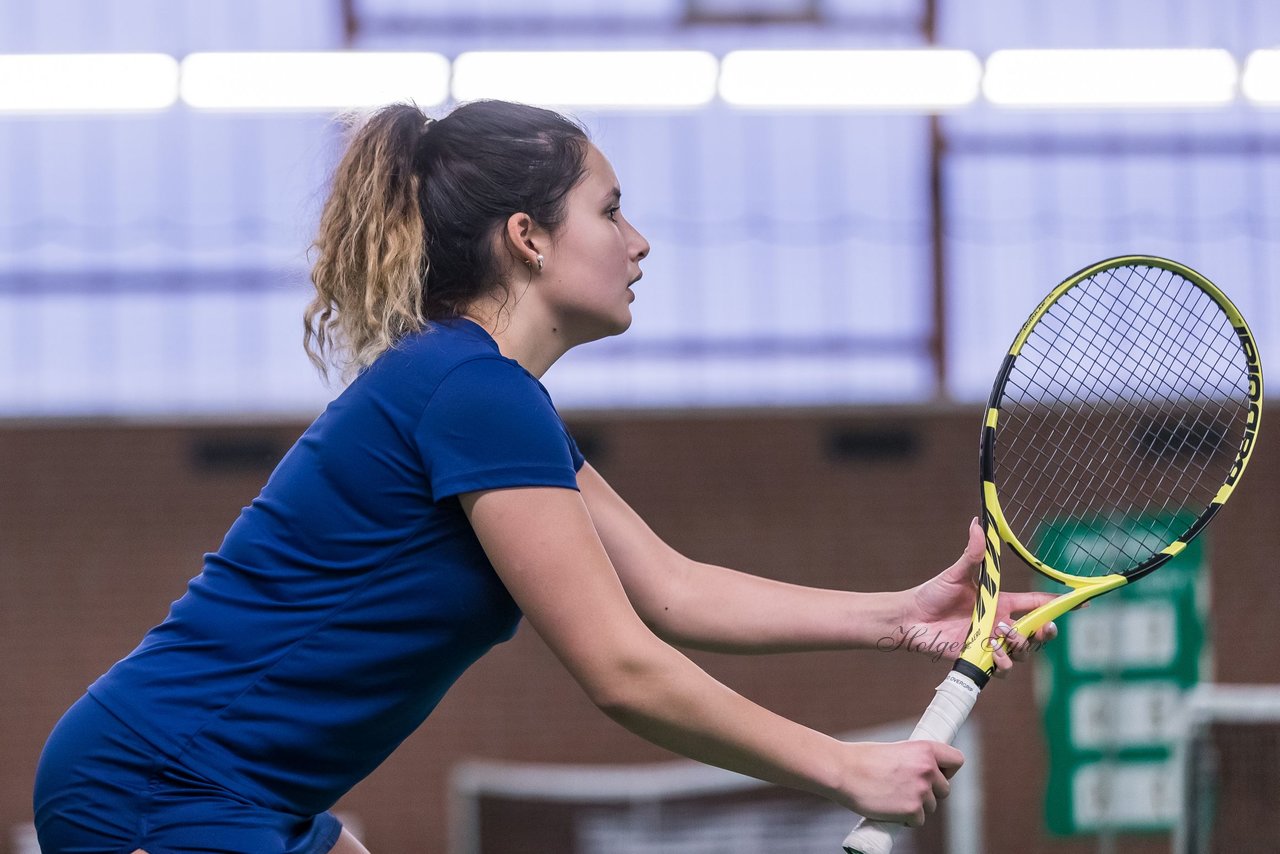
{"x":423,"y":359}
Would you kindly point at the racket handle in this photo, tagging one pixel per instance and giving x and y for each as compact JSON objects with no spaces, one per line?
{"x":951,"y":705}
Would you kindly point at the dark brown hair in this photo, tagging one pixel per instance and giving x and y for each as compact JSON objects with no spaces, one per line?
{"x":407,"y":232}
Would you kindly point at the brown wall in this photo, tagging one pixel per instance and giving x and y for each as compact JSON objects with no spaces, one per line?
{"x":101,"y":526}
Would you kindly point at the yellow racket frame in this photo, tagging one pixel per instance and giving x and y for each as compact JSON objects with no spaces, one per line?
{"x":979,"y":651}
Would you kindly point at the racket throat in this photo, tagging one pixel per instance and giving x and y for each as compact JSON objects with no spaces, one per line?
{"x":975,"y":673}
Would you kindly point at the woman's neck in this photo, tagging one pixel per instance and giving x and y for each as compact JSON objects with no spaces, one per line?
{"x":534,"y":343}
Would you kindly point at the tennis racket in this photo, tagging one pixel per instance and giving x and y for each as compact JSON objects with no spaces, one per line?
{"x":1119,"y":424}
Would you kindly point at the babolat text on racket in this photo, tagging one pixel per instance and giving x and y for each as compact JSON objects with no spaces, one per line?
{"x":1121,"y":421}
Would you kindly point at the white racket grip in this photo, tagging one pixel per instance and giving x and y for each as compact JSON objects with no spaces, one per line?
{"x":952,"y":702}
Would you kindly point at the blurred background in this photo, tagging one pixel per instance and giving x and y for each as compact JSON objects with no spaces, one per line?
{"x":852,"y":204}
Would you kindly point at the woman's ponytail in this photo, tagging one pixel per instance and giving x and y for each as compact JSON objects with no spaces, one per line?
{"x":370,"y":272}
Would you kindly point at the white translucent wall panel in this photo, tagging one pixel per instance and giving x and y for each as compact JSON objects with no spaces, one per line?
{"x":988,"y":25}
{"x":788,"y":250}
{"x":124,"y":190}
{"x":1022,"y":223}
{"x":643,"y":9}
{"x":908,"y":9}
{"x":789,"y":262}
{"x":783,"y":225}
{"x":497,"y":9}
{"x":1033,"y":196}
{"x":791,"y":259}
{"x":156,"y":353}
{"x":171,"y":26}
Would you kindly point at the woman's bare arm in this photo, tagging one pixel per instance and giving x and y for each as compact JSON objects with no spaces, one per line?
{"x":703,"y":606}
{"x":544,"y":546}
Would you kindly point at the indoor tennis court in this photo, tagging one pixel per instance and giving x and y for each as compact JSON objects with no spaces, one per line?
{"x":851,"y":207}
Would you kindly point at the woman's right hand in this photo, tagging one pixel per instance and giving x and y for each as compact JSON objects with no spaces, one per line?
{"x":901,"y":781}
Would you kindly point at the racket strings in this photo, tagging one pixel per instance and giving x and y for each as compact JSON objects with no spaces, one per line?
{"x":1213,"y":422}
{"x":1108,"y":376}
{"x":1100,"y":481}
{"x":1185,"y":369}
{"x":1118,"y":419}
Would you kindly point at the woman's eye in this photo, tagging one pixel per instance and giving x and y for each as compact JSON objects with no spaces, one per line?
{"x":612,"y":213}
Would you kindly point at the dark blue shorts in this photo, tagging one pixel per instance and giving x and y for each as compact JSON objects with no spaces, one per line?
{"x":101,"y":789}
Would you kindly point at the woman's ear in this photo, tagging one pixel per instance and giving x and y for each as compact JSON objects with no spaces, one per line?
{"x":525,"y":240}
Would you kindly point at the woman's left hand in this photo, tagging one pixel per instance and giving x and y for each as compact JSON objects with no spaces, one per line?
{"x":939,"y":611}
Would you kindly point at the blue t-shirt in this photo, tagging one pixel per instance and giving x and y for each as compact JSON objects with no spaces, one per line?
{"x":352,"y":592}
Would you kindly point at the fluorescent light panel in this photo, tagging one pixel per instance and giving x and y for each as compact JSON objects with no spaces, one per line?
{"x":87,"y":82}
{"x":873,"y":79}
{"x":312,"y":81}
{"x":1261,"y":80}
{"x":600,"y":79}
{"x":930,"y":79}
{"x":1111,"y":78}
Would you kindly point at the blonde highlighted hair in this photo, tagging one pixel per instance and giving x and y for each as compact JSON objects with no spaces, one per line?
{"x":408,"y":188}
{"x":371,"y":259}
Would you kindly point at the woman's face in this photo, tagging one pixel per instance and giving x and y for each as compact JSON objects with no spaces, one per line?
{"x":593,"y":259}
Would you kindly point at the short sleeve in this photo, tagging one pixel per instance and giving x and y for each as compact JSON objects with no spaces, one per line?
{"x":490,"y":425}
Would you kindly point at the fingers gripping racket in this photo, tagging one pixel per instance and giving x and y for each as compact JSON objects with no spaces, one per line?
{"x":1120,"y":422}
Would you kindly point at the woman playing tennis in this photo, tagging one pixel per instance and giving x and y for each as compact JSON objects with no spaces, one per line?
{"x":433,"y":504}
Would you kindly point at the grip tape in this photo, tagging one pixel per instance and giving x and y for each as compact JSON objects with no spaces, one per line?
{"x":952,"y":702}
